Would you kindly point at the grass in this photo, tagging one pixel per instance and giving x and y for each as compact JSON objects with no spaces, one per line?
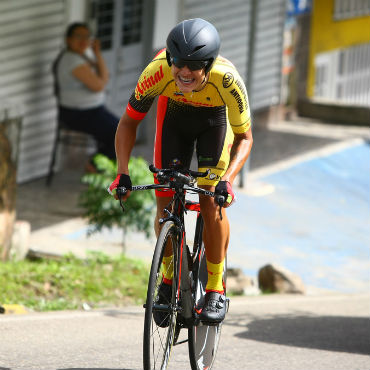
{"x":68,"y":283}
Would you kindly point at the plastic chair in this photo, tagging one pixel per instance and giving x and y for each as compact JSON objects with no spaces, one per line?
{"x":65,"y":136}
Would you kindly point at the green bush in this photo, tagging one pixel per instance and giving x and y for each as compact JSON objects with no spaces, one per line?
{"x":69,"y":282}
{"x":102,"y":210}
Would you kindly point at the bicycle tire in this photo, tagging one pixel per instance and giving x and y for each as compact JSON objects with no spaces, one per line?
{"x":158,"y":341}
{"x":203,"y":339}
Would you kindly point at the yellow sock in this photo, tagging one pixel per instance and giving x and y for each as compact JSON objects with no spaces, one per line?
{"x":167,"y":269}
{"x":215,"y":271}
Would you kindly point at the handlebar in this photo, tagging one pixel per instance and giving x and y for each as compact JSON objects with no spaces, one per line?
{"x":192,"y":173}
{"x":185,"y":177}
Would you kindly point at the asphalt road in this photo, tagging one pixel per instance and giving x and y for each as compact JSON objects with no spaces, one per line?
{"x":264,"y":332}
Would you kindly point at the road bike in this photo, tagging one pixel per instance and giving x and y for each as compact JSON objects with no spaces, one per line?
{"x":189,"y":270}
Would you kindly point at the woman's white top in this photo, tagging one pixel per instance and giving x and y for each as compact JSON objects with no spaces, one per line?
{"x":72,"y":92}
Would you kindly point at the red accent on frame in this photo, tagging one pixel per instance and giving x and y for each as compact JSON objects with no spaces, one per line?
{"x":193,"y":206}
{"x":181,"y":254}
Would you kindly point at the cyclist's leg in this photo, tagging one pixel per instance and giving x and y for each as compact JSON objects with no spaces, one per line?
{"x":171,"y":142}
{"x":216,"y":229}
{"x":162,"y":202}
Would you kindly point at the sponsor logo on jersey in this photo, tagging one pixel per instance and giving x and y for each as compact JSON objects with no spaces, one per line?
{"x":183,"y":99}
{"x":227,"y":80}
{"x":214,"y":176}
{"x":238,"y":99}
{"x":148,"y":82}
{"x":243,"y":91}
{"x":205,"y":159}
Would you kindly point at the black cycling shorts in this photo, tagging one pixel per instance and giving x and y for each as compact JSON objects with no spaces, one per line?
{"x":181,"y":127}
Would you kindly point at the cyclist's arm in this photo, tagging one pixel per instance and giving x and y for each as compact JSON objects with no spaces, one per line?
{"x":240,"y":150}
{"x":124,"y":141}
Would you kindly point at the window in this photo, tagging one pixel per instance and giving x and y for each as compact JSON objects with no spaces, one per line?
{"x":343,"y":75}
{"x":346,"y":9}
{"x":104,"y":14}
{"x":131,"y":26}
{"x":108,"y":24}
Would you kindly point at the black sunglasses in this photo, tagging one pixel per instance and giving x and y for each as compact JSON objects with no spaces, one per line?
{"x":193,"y":65}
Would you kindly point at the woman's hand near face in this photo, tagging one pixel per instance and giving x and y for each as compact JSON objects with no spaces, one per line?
{"x":94,"y":78}
{"x":96,"y":46}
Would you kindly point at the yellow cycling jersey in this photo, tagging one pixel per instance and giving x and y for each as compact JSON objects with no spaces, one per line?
{"x":224,"y":87}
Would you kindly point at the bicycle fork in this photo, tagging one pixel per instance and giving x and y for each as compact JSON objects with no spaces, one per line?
{"x":184,"y":288}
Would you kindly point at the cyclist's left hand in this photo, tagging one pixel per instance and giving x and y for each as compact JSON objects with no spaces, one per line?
{"x":224,"y":188}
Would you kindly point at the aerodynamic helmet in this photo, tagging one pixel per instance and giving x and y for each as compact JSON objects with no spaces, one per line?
{"x":193,"y":42}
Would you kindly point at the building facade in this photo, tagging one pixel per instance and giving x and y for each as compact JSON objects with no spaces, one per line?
{"x":339,"y":58}
{"x":131,"y":31}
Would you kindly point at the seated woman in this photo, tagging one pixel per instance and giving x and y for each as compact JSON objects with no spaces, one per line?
{"x":79,"y":87}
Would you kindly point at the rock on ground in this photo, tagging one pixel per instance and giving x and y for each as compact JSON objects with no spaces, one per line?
{"x":276,"y":279}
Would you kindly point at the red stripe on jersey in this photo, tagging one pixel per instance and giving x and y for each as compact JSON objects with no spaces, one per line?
{"x":161,"y":113}
{"x":134,"y":114}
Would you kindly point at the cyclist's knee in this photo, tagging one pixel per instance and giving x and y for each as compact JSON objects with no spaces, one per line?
{"x":207,"y":204}
{"x":209,"y":209}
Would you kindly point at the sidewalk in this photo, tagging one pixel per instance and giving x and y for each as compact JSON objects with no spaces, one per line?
{"x":299,"y":172}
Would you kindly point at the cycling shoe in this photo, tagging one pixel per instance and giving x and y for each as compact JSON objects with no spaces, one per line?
{"x":161,"y":318}
{"x":214,"y":309}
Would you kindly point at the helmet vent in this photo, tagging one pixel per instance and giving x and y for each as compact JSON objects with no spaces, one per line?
{"x":198,"y":48}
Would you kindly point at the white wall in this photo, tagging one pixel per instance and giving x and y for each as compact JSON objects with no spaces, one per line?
{"x":76,"y":11}
{"x":165,"y":18}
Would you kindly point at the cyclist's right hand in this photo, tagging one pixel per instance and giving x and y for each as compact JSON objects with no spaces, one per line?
{"x":225,"y":189}
{"x":122,"y":180}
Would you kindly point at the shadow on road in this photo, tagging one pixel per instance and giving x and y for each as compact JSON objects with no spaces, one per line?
{"x":331,"y":333}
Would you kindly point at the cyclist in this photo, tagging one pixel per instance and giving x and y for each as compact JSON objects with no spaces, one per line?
{"x":202,"y":102}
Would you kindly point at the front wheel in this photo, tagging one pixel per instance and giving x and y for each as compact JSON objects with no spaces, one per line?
{"x":160,"y":312}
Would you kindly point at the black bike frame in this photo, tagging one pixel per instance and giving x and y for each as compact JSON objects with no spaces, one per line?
{"x":182,"y":271}
{"x":183,"y":282}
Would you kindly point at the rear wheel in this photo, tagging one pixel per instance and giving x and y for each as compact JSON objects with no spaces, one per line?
{"x":160,"y":312}
{"x":203,"y":339}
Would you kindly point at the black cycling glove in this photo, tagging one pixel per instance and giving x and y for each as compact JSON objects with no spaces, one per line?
{"x":121,"y":180}
{"x":224,"y":188}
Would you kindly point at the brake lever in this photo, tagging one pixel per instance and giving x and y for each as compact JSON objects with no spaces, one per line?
{"x":121,"y":191}
{"x":220,"y":200}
